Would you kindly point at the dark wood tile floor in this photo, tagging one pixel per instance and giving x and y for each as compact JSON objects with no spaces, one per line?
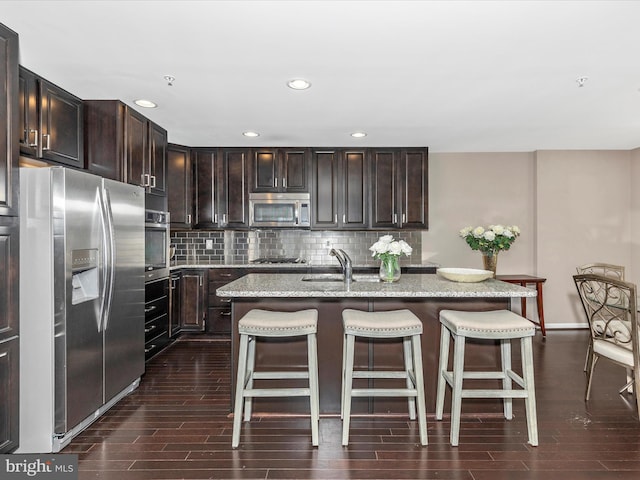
{"x":176,"y":425}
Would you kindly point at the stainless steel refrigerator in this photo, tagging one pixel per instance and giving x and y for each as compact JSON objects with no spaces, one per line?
{"x":81,"y":301}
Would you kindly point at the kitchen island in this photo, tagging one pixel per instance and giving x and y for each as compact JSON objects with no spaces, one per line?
{"x":424,"y":294}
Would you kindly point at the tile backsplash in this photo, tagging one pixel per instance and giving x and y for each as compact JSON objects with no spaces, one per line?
{"x":239,"y":247}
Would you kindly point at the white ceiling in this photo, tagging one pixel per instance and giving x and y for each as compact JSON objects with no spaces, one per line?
{"x":455,"y":76}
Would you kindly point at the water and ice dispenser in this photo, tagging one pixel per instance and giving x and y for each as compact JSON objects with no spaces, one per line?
{"x":84,"y":275}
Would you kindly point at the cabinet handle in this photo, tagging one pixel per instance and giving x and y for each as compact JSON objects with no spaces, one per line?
{"x":152,"y":181}
{"x":145,"y":180}
{"x":284,"y":182}
{"x":35,"y":138}
{"x":335,"y":219}
{"x":151,"y":347}
{"x":404,"y":218}
{"x":189,"y":219}
{"x":225,"y":300}
{"x":225,"y":274}
{"x":3,"y":354}
{"x":200,"y":279}
{"x":344,"y":218}
{"x":152,"y":327}
{"x":150,"y":309}
{"x":48,"y":137}
{"x":224,"y":219}
{"x":395,"y":218}
{"x":225,"y":314}
{"x":215,"y":218}
{"x":275,"y":182}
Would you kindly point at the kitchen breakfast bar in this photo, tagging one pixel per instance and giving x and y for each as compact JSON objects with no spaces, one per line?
{"x":423,"y":294}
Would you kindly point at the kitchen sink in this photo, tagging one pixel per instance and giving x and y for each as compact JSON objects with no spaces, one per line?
{"x":336,"y":277}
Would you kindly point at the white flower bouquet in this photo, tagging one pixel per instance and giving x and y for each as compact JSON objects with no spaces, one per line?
{"x":492,"y":239}
{"x":387,"y":250}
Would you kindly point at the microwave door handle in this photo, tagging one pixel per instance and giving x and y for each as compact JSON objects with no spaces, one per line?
{"x":297,"y":213}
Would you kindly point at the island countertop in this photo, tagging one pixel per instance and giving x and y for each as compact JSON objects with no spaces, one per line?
{"x":276,"y":285}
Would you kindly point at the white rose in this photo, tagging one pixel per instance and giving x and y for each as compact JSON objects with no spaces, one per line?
{"x":515,"y":230}
{"x":395,"y":248}
{"x":497,"y":229}
{"x":507,"y":233}
{"x":386,"y":239}
{"x":489,"y":236}
{"x":379,"y":247}
{"x":478,"y":231}
{"x":404,"y":246}
{"x":465,"y":231}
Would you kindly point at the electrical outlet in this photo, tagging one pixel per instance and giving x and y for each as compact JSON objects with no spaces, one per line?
{"x":208,"y":244}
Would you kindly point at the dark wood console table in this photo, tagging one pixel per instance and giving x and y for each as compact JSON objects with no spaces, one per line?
{"x":523,"y":281}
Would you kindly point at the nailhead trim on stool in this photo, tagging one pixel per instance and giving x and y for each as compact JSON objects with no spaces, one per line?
{"x":400,"y":324}
{"x":502,"y":325}
{"x":264,"y":323}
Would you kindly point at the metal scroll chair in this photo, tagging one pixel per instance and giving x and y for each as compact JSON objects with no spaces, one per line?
{"x":608,"y":270}
{"x":610,"y":306}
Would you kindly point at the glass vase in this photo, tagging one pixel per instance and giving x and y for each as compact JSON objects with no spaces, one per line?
{"x":390,"y":269}
{"x":490,"y":261}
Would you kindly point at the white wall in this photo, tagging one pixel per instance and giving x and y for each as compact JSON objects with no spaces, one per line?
{"x":573,"y":207}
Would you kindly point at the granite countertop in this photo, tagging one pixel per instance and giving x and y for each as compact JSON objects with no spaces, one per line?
{"x":275,"y":266}
{"x":268,"y":285}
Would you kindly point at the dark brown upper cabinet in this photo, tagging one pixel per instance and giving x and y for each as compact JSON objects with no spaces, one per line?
{"x":280,"y":170}
{"x":51,"y":121}
{"x":207,"y":177}
{"x":179,"y":186}
{"x":9,"y":118}
{"x":399,"y":188}
{"x":123,"y":145}
{"x":233,"y":192}
{"x":339,"y":189}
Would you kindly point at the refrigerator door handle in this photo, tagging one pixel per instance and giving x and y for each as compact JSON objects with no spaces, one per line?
{"x":105,"y":258}
{"x":110,"y":255}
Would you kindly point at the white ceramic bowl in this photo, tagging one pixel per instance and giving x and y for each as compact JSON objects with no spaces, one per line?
{"x":465,"y":275}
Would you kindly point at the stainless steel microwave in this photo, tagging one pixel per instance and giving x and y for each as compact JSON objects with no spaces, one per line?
{"x":279,"y":210}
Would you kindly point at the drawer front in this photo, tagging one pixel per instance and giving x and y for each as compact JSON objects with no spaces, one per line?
{"x":156,"y":308}
{"x":216,"y":301}
{"x":225,"y":274}
{"x":155,"y":327}
{"x":155,"y":290}
{"x":156,"y":345}
{"x":219,"y":321}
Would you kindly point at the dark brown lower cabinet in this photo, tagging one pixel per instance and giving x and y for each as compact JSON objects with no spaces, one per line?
{"x":193,"y":297}
{"x":9,"y":398}
{"x":156,"y":308}
{"x":219,"y":309}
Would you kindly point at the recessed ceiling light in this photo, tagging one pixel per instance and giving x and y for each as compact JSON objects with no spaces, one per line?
{"x":251,"y":134}
{"x":359,"y":134}
{"x":299,"y":84}
{"x":145,"y":103}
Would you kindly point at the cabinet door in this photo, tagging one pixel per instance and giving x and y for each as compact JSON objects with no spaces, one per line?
{"x":354,"y":190}
{"x":29,"y":133}
{"x":9,"y":119}
{"x":384,"y":194}
{"x":175,"y":303}
{"x":264,"y":171}
{"x":179,"y":196}
{"x":233,"y":185}
{"x":61,"y":126}
{"x":193,"y":297}
{"x":294,"y":170}
{"x":157,"y":159}
{"x":415,"y":188}
{"x":324,"y":196}
{"x":104,"y":138}
{"x":136,"y":156}
{"x":206,"y":187}
{"x":10,"y":397}
{"x":9,"y":276}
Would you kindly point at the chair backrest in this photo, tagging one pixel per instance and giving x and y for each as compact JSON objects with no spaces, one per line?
{"x":610,"y":307}
{"x":606,"y":269}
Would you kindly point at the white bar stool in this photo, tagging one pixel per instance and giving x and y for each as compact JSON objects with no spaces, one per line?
{"x":400,"y":324}
{"x":500,"y":325}
{"x":262,"y":323}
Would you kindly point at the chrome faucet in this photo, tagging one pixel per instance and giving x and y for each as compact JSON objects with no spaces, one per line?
{"x":345,"y":263}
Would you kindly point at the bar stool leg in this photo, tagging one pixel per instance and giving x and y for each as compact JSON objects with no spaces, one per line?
{"x":348,"y":384}
{"x":442,"y":368}
{"x":419,"y":379}
{"x":456,"y":393}
{"x":344,"y":370}
{"x":409,"y":367}
{"x":505,"y":353}
{"x":529,"y":385}
{"x":251,"y":364}
{"x":314,"y":404}
{"x":240,"y":382}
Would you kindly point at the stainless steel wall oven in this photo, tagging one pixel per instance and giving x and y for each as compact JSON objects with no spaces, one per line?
{"x":156,"y":251}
